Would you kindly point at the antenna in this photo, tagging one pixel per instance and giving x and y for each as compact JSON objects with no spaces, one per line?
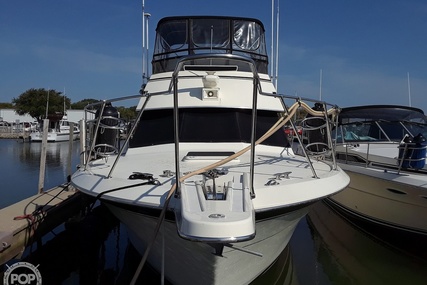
{"x":409,"y":91}
{"x":274,"y":57}
{"x":143,"y":41}
{"x":64,"y":101}
{"x":47,"y":102}
{"x":145,"y":17}
{"x":277,"y":48}
{"x":272,"y":40}
{"x":320,"y":91}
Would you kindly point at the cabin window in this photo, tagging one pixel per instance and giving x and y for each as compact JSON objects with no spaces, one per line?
{"x":171,"y":36}
{"x":178,"y":37}
{"x":205,"y":125}
{"x":247,"y":35}
{"x":210,"y":33}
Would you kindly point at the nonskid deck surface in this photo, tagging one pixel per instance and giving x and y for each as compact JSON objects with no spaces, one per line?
{"x":290,"y":174}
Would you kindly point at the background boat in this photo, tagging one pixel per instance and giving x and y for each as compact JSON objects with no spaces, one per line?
{"x":58,"y":131}
{"x":388,"y":178}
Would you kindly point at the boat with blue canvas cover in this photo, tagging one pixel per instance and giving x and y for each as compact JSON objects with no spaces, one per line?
{"x":383,"y":150}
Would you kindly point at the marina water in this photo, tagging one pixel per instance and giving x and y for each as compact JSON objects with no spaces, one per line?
{"x":94,"y":249}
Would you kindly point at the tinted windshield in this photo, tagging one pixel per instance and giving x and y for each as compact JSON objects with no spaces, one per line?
{"x":205,"y":125}
{"x":178,"y":36}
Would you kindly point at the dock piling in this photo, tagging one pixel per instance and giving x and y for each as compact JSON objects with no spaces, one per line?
{"x":43,"y":156}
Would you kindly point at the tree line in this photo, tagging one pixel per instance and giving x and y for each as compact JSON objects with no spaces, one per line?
{"x":35,"y":101}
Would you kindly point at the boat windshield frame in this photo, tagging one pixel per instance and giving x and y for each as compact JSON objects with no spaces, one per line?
{"x":380,"y":123}
{"x":177,"y":37}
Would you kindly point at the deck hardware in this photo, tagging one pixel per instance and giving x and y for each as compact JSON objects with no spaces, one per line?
{"x":272,"y":182}
{"x":5,"y":246}
{"x":216,"y":216}
{"x":144,"y":176}
{"x":218,"y":247}
{"x":214,"y":173}
{"x":285,"y":175}
{"x":167,"y":173}
{"x":140,"y":175}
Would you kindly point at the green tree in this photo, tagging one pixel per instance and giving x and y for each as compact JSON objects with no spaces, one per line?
{"x":127,"y":113}
{"x":34,"y":102}
{"x":6,"y":106}
{"x":80,"y":105}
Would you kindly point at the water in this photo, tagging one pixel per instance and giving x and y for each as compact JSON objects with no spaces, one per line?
{"x":20,"y":167}
{"x":325,"y":248}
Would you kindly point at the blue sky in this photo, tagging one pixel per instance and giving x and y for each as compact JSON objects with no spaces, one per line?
{"x":92,"y":48}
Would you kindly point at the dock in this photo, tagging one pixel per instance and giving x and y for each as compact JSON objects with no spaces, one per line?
{"x":27,"y":221}
{"x":25,"y":136}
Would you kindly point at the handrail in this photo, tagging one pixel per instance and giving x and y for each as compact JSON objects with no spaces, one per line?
{"x":399,"y":160}
{"x":382,"y":130}
{"x":257,"y":89}
{"x":128,"y":137}
{"x":174,"y":85}
{"x":92,"y":147}
{"x":300,"y":140}
{"x":329,"y":137}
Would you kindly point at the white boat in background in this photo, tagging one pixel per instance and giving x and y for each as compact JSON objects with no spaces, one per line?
{"x":383,"y":150}
{"x":206,"y":181}
{"x":58,"y":131}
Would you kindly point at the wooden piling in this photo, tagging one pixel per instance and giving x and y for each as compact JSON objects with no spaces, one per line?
{"x":83,"y":150}
{"x":70,"y":149}
{"x":43,"y":156}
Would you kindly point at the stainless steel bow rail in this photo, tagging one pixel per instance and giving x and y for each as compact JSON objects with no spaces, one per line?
{"x":91,"y":149}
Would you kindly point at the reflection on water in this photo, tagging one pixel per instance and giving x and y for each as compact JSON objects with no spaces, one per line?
{"x":95,"y":250}
{"x":281,"y":272}
{"x":86,"y":251}
{"x":350,"y":256}
{"x":20,"y":167}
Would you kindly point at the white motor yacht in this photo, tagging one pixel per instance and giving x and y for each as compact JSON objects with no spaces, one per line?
{"x":206,"y":181}
{"x":58,"y":131}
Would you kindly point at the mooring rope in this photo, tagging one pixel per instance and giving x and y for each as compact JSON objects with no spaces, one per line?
{"x":38,"y":214}
{"x":97,"y":197}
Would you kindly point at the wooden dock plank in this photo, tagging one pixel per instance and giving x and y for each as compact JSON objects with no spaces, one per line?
{"x":33,"y":217}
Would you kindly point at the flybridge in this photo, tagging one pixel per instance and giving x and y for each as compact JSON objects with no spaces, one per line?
{"x":182,"y":36}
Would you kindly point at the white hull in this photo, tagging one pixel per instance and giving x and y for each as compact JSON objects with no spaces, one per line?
{"x":53,"y":136}
{"x":208,"y":148}
{"x":185,"y":260}
{"x":387,"y":198}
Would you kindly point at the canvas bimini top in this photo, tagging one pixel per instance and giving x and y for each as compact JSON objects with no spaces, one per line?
{"x":381,"y":123}
{"x":382,"y":112}
{"x":182,"y":36}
